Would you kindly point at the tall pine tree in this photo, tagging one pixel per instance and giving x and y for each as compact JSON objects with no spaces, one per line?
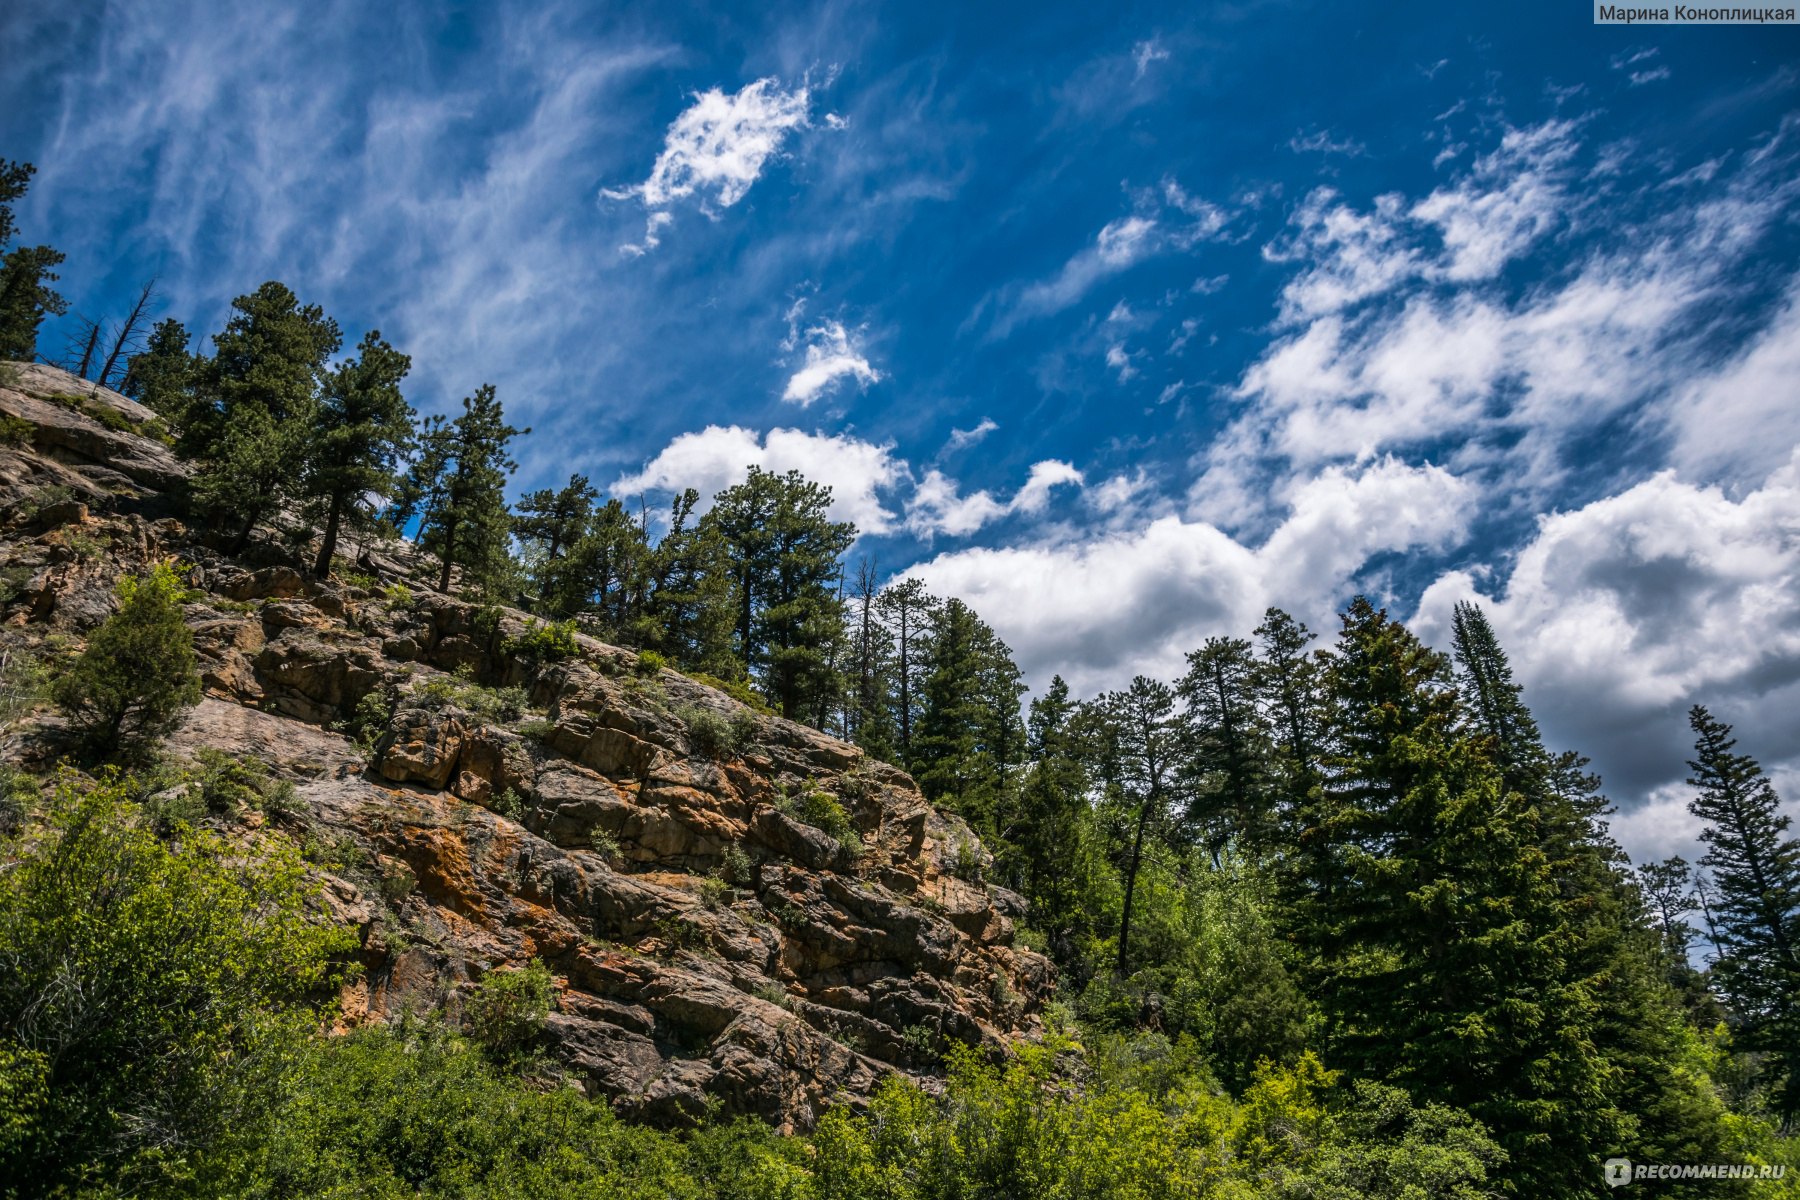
{"x":361,"y":427}
{"x":466,"y":523}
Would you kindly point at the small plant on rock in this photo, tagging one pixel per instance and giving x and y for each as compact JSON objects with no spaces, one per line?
{"x":714,"y":891}
{"x":507,"y":1011}
{"x":546,"y":643}
{"x":139,"y":671}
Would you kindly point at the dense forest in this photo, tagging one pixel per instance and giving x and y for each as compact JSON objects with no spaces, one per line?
{"x":1330,"y":919}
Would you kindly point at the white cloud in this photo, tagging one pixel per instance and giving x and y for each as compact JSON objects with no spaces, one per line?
{"x":716,"y":149}
{"x":963,"y":438}
{"x":1110,"y":604}
{"x":1117,"y":246}
{"x":1621,"y":614}
{"x":1741,"y":420}
{"x":1120,"y":361}
{"x":938,"y":506}
{"x":721,"y":455}
{"x":1147,"y":52}
{"x":1320,"y":141}
{"x":830,"y":356}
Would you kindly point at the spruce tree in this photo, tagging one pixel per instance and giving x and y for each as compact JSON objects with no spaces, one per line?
{"x":969,"y":735}
{"x":1755,"y":868}
{"x":1055,"y":839}
{"x":1229,"y":747}
{"x":907,"y":608}
{"x":466,"y":523}
{"x":138,"y":672}
{"x":361,"y":427}
{"x":784,"y":552}
{"x":684,"y":593}
{"x":1445,"y":943}
{"x":869,"y":699}
{"x":26,"y":273}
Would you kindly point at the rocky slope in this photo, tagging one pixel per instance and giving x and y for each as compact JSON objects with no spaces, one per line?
{"x":654,"y":841}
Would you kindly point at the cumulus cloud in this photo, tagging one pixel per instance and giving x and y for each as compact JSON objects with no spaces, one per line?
{"x":721,"y":455}
{"x":1104,"y":606}
{"x":938,"y":506}
{"x":1622,"y":613}
{"x":1740,"y":420}
{"x":830,"y":357}
{"x":715,"y":150}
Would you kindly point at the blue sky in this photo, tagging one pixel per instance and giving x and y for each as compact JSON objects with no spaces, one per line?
{"x":1121,"y":321}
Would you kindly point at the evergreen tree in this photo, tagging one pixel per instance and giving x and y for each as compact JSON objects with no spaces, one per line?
{"x":421,"y":488}
{"x":1446,"y":948}
{"x":361,"y":427}
{"x":907,"y":609}
{"x":969,"y":735}
{"x":465,"y":522}
{"x":784,"y":552}
{"x":1146,"y":740}
{"x":686,"y":597}
{"x":1668,"y":888}
{"x":549,"y":525}
{"x":1055,"y":840}
{"x":252,"y":418}
{"x":869,"y":699}
{"x":610,"y":566}
{"x":26,"y":273}
{"x":162,"y":377}
{"x":139,"y":670}
{"x":1229,"y":747}
{"x":1755,"y":869}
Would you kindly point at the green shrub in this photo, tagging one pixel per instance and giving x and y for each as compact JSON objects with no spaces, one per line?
{"x":18,"y":794}
{"x":714,"y":891}
{"x":139,"y":669}
{"x":397,"y":595}
{"x":439,"y":692}
{"x":15,"y":431}
{"x":548,"y":643}
{"x":709,"y":732}
{"x":538,"y":728}
{"x":508,"y":804}
{"x":229,"y":783}
{"x":649,"y":664}
{"x":24,"y":684}
{"x":506,"y":1011}
{"x":603,"y":843}
{"x":370,"y":719}
{"x":735,"y":866}
{"x":737,"y":689}
{"x":822,"y":811}
{"x":141,"y":990}
{"x":966,"y":861}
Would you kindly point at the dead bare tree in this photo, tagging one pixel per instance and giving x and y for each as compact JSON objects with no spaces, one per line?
{"x":130,"y":337}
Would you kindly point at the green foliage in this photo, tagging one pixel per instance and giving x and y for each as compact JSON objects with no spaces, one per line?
{"x":459,"y":480}
{"x":738,"y":690}
{"x":546,"y":643}
{"x":15,"y":431}
{"x":24,"y":683}
{"x":19,"y":794}
{"x":649,"y":664}
{"x":714,"y":891}
{"x":140,"y":987}
{"x":361,"y":426}
{"x":822,"y":811}
{"x":370,"y":719}
{"x":735,"y":866}
{"x":229,"y":784}
{"x":439,"y":692}
{"x":397,"y":595}
{"x":139,"y":669}
{"x":602,"y":842}
{"x":506,"y":1011}
{"x":710,"y":732}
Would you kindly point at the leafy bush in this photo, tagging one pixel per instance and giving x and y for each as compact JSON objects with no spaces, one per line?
{"x":649,"y":664}
{"x":967,"y":862}
{"x":24,"y":684}
{"x":822,"y":811}
{"x":139,"y":987}
{"x":370,"y":719}
{"x":714,"y":891}
{"x":552,"y":642}
{"x":397,"y":595}
{"x":139,"y":669}
{"x":228,"y":783}
{"x":735,"y":865}
{"x":603,"y":843}
{"x":737,"y":689}
{"x":15,"y":431}
{"x":709,"y":732}
{"x":488,"y":704}
{"x":506,"y":1011}
{"x":18,"y":793}
{"x":507,"y":803}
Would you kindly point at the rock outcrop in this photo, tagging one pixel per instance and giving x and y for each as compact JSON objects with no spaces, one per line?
{"x":739,"y":911}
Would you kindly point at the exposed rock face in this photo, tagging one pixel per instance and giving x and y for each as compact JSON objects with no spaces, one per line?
{"x":642,"y":834}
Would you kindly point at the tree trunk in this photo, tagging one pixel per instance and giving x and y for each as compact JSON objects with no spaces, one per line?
{"x":1137,"y":854}
{"x":328,"y":547}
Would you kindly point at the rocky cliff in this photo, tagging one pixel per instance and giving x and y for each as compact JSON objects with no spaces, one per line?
{"x":739,"y":911}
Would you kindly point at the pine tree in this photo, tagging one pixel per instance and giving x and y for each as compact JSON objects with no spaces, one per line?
{"x":421,"y":488}
{"x":252,"y":416}
{"x":784,"y":552}
{"x":26,"y":274}
{"x":361,"y":427}
{"x":1756,"y":897}
{"x":549,"y":524}
{"x":162,"y":377}
{"x":1055,"y":839}
{"x":1147,"y":742}
{"x":1668,"y":888}
{"x":969,"y":735}
{"x":907,"y":609}
{"x":869,"y":698}
{"x":465,"y":521}
{"x":1229,"y":747}
{"x":139,"y":670}
{"x":685,"y":603}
